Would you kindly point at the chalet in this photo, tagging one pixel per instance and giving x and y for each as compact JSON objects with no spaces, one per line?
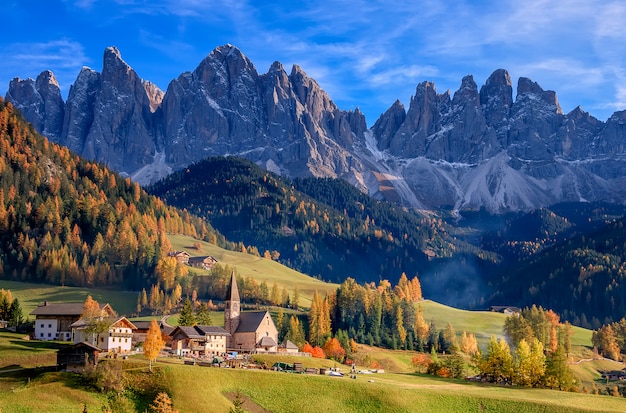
{"x":252,"y":331}
{"x":199,"y":341}
{"x":77,"y":357}
{"x":117,"y":338}
{"x":53,"y":321}
{"x":181,"y":256}
{"x":206,"y":262}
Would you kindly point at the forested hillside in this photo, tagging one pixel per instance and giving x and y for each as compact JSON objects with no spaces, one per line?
{"x":322,"y":227}
{"x":67,"y":221}
{"x":583,"y":279}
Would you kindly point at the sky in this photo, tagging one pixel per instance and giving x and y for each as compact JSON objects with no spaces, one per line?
{"x":364,"y":54}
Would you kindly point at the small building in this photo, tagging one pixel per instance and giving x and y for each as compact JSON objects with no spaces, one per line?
{"x":207,"y":262}
{"x":288,"y":347}
{"x":181,"y":256}
{"x":77,"y":357}
{"x":505,"y":309}
{"x":53,"y":321}
{"x":4,"y":324}
{"x":199,"y":341}
{"x":117,"y":338}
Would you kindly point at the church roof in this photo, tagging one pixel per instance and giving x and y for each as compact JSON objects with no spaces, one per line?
{"x":232,"y":293}
{"x":249,"y":321}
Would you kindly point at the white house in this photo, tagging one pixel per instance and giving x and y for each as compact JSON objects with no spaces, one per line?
{"x":53,"y":321}
{"x":199,"y":340}
{"x":118,"y":338}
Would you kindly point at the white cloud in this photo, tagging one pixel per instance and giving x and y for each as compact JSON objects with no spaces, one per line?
{"x":63,"y":57}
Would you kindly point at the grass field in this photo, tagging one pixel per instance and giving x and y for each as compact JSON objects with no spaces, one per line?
{"x":259,"y":268}
{"x":31,"y":295}
{"x":204,"y":389}
{"x":16,"y":352}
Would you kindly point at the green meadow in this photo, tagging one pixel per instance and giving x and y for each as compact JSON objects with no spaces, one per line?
{"x":207,"y":389}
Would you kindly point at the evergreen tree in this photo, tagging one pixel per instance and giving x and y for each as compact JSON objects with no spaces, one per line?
{"x":16,"y":318}
{"x":187,"y":316}
{"x":203,"y":315}
{"x":558,"y":375}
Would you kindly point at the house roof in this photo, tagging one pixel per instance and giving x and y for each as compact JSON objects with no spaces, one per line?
{"x":267,"y":341}
{"x":249,"y":321}
{"x":82,"y":344}
{"x":200,"y":331}
{"x":288,"y":344}
{"x":82,"y":323}
{"x":75,"y":309}
{"x":201,"y":259}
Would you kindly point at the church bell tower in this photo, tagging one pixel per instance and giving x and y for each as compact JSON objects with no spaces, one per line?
{"x":232,"y":310}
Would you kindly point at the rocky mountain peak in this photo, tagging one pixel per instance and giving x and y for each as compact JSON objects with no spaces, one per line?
{"x":525,"y":87}
{"x":478,"y":148}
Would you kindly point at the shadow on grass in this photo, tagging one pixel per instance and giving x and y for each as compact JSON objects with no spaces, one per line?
{"x":40,"y":345}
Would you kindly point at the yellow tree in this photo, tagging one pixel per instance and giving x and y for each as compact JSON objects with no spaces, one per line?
{"x":421,"y":327}
{"x":469,"y":345}
{"x":154,"y":342}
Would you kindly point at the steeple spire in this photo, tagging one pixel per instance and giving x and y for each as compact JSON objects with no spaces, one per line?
{"x":232,"y":310}
{"x":232,"y":294}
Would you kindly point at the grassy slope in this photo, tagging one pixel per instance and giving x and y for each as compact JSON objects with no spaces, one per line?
{"x":31,"y":295}
{"x":260,"y":269}
{"x":483,"y":324}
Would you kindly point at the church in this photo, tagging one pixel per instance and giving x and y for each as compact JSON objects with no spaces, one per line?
{"x":250,"y":331}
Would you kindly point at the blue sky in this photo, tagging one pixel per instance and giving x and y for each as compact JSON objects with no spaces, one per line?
{"x":363,"y":53}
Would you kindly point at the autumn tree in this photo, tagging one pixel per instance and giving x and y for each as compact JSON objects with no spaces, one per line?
{"x":96,"y":319}
{"x":154,"y":342}
{"x":529,"y":363}
{"x":162,"y":404}
{"x":333,"y":349}
{"x":295,"y":333}
{"x":497,"y":365}
{"x":469,"y":345}
{"x":319,"y":320}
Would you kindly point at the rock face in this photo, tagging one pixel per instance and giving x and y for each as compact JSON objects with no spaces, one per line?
{"x":474,"y":149}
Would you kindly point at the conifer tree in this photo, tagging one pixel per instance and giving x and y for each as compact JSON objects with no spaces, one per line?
{"x":187,"y":316}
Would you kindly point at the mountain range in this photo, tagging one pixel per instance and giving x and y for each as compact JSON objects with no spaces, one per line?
{"x":477,"y":148}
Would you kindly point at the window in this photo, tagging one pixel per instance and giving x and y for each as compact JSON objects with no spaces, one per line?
{"x":125,"y":340}
{"x":41,"y":334}
{"x":42,"y":325}
{"x":49,"y":335}
{"x":49,"y":325}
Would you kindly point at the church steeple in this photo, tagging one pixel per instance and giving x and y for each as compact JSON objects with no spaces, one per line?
{"x":232,"y":309}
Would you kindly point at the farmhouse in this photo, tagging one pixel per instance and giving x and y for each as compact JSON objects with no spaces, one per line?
{"x":181,"y":256}
{"x":116,"y":335}
{"x":252,"y":331}
{"x":206,"y":262}
{"x":53,"y":321}
{"x":199,"y":340}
